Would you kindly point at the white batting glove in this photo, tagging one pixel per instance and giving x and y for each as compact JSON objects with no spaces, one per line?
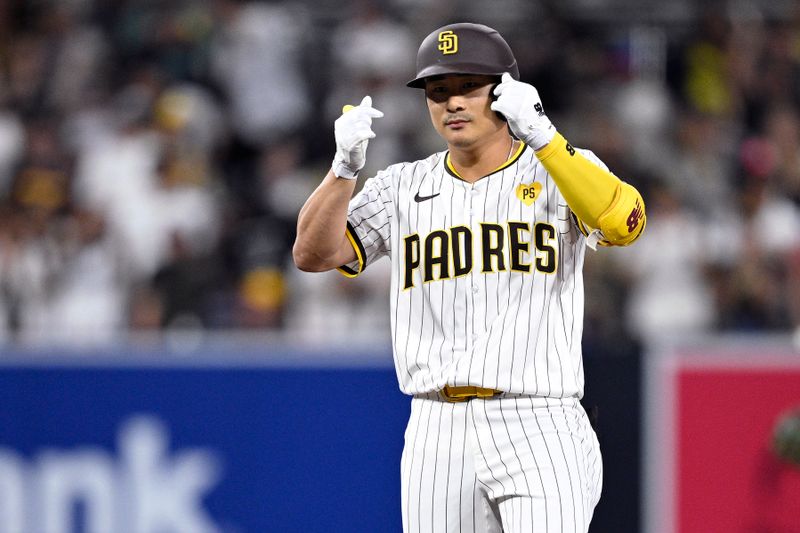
{"x":353,"y":130}
{"x":520,"y":103}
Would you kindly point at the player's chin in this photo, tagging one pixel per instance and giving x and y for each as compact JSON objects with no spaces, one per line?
{"x":459,"y":138}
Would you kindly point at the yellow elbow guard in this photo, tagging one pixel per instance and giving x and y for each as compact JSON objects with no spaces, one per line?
{"x":625,"y":219}
{"x":597,"y":197}
{"x":588,"y":189}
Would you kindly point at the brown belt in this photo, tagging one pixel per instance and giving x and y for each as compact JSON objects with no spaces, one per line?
{"x":465,"y":393}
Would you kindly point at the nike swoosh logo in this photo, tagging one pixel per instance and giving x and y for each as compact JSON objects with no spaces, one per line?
{"x":418,"y":198}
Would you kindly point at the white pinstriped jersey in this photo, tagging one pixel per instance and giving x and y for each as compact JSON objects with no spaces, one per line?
{"x":487,"y":286}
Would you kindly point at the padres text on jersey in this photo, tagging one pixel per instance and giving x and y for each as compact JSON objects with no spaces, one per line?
{"x":486,"y":277}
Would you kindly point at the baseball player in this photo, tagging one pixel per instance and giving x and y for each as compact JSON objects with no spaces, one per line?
{"x":487,"y":241}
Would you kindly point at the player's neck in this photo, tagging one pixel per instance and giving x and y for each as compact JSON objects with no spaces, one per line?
{"x":479,"y":160}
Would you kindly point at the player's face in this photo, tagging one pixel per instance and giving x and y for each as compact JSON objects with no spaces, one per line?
{"x":459,"y":108}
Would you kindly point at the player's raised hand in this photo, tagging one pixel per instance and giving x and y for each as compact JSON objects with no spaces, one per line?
{"x":353,"y":130}
{"x":520,"y":104}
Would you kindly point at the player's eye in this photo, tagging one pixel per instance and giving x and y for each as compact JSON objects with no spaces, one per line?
{"x":437,"y":93}
{"x":470,"y":85}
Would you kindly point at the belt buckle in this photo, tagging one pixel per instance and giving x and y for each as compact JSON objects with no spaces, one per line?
{"x":465,"y":393}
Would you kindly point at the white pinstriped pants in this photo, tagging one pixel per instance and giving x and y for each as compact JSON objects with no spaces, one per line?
{"x":512,"y":463}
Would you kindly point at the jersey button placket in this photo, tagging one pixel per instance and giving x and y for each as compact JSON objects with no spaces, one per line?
{"x":474,"y":192}
{"x":473,"y":285}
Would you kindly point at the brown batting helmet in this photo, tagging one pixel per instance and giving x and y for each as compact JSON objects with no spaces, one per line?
{"x":464,"y":48}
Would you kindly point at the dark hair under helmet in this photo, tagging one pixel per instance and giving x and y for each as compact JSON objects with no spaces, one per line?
{"x":464,"y":48}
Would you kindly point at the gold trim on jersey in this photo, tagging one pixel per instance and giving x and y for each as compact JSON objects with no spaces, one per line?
{"x":448,"y":254}
{"x":434,"y":260}
{"x":452,"y":258}
{"x":493,"y":257}
{"x":518,"y":245}
{"x":543,"y":244}
{"x":581,"y":226}
{"x":511,"y":160}
{"x":350,"y":233}
{"x":460,"y":270}
{"x":411,"y":247}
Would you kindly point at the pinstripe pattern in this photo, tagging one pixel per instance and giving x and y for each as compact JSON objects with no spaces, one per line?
{"x":530,"y":464}
{"x":528,"y":459}
{"x":515,"y":331}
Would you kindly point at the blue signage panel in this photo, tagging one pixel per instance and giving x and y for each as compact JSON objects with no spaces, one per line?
{"x":158,"y":449}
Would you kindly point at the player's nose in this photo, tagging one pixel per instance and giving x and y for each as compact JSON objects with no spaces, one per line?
{"x":455,"y":103}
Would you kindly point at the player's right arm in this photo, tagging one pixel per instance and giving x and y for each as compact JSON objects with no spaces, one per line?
{"x":321,"y":243}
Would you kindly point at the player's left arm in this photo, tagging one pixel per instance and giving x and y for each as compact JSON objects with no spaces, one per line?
{"x":597,"y":197}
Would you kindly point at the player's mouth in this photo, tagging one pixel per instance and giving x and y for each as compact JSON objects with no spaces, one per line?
{"x":456,"y":123}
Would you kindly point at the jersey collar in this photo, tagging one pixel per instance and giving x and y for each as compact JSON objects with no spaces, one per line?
{"x":448,"y":165}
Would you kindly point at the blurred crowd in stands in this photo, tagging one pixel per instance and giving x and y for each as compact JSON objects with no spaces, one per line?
{"x":154,"y":155}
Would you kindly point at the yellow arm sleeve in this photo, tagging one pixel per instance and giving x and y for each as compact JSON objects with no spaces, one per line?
{"x":596,"y":196}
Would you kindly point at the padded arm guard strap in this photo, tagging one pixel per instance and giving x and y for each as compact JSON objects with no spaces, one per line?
{"x":597,"y":197}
